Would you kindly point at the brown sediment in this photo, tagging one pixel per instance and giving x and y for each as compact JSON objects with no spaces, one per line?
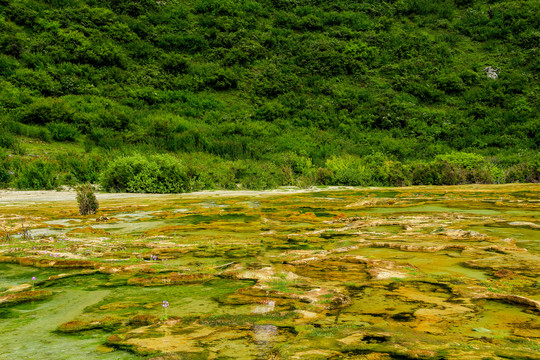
{"x":170,"y":279}
{"x":76,"y":326}
{"x":88,"y":230}
{"x":53,"y":263}
{"x":24,"y":296}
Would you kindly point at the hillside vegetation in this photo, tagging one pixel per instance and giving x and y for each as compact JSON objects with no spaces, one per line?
{"x":179,"y":95}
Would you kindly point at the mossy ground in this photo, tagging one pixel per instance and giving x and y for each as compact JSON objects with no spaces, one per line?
{"x":423,"y":272}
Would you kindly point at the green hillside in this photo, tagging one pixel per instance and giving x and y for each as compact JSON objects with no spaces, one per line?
{"x":179,"y":95}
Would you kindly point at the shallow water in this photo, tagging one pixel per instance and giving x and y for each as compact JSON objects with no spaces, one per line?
{"x":433,"y":208}
{"x":300,"y":275}
{"x":526,"y":238}
{"x":31,"y":331}
{"x":12,"y":275}
{"x":450,"y":263}
{"x":498,"y":319}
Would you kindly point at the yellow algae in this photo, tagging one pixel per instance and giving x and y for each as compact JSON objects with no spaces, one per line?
{"x":415,"y":272}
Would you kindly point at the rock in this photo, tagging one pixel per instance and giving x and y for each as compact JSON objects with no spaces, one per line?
{"x":19,"y":288}
{"x":367,"y":202}
{"x":524,"y":224}
{"x":306,"y":317}
{"x":56,"y":262}
{"x":483,"y":293}
{"x":482,"y":330}
{"x":459,"y":233}
{"x":491,"y":72}
{"x":117,"y":305}
{"x":383,"y":274}
{"x":104,"y":349}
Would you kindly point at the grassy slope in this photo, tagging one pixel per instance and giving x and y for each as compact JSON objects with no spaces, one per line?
{"x":282,"y":83}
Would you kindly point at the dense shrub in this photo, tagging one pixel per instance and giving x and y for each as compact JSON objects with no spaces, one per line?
{"x":80,"y":168}
{"x":257,"y":175}
{"x":474,"y":167}
{"x":63,"y":131}
{"x":348,"y":170}
{"x":37,"y":175}
{"x":155,"y":174}
{"x":437,"y":173}
{"x":46,"y":110}
{"x":528,"y":172}
{"x":7,"y":140}
{"x":5,"y":176}
{"x":5,"y":173}
{"x":209,"y":172}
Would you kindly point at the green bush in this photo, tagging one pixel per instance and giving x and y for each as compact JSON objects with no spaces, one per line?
{"x":155,"y":174}
{"x":456,"y":168}
{"x":39,"y":80}
{"x":46,"y":110}
{"x":5,"y":176}
{"x":468,"y":161}
{"x":7,"y":140}
{"x":13,"y":97}
{"x":80,"y":168}
{"x":348,"y":170}
{"x":62,"y":131}
{"x":175,"y":64}
{"x":476,"y":168}
{"x":38,"y":132}
{"x":5,"y":173}
{"x":209,"y":172}
{"x":436,"y":173}
{"x":257,"y":175}
{"x":526,"y":172}
{"x":37,"y":175}
{"x":450,"y":83}
{"x":396,"y":174}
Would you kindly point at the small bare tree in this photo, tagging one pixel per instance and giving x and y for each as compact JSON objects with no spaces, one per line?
{"x":87,"y":200}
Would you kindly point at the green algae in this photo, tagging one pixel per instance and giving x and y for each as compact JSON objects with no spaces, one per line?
{"x":31,"y":332}
{"x":298,"y":275}
{"x":185,"y":300}
{"x":438,"y":264}
{"x":498,"y":320}
{"x":431,"y":208}
{"x":12,"y":275}
{"x":526,"y":238}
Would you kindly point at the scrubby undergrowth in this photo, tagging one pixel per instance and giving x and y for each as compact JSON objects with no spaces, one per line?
{"x":264,"y":93}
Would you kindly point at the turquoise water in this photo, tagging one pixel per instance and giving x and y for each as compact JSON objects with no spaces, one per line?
{"x":30,"y":334}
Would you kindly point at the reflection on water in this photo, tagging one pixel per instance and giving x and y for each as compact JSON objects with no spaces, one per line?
{"x":265,"y":306}
{"x":264,"y":336}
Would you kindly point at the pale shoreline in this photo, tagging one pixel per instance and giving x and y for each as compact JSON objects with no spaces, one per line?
{"x":53,"y":195}
{"x":21,"y":196}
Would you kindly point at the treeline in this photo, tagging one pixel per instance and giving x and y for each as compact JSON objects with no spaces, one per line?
{"x":269,"y":92}
{"x":164,"y":173}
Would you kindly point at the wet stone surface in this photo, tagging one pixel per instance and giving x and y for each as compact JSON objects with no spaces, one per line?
{"x":408,"y":273}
